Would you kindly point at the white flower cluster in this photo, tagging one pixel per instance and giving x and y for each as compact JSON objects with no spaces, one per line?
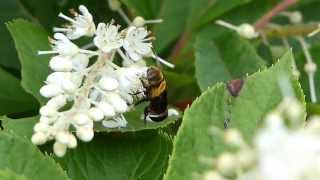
{"x":83,"y":89}
{"x":279,"y":151}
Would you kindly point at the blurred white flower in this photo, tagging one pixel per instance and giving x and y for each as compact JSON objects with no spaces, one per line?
{"x":81,"y":25}
{"x":107,"y":37}
{"x":137,"y":43}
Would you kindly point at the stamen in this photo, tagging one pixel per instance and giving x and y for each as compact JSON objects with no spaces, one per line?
{"x":153,"y":21}
{"x":227,"y":25}
{"x":162,"y":61}
{"x":88,"y":52}
{"x":47,"y":52}
{"x":314,"y":32}
{"x":66,"y":18}
{"x":88,"y":46}
{"x":57,"y":29}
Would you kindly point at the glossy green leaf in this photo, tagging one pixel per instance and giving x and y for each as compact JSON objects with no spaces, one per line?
{"x":22,"y":127}
{"x":193,"y":139}
{"x":120,"y":156}
{"x":22,"y":157}
{"x":9,"y":10}
{"x":258,"y":96}
{"x":10,"y":175}
{"x":221,"y":61}
{"x":261,"y":93}
{"x":29,"y":39}
{"x":13,"y":99}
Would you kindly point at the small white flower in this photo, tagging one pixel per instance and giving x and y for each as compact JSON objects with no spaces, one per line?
{"x":81,"y":25}
{"x":107,"y":37}
{"x":62,"y":45}
{"x":136,"y":43}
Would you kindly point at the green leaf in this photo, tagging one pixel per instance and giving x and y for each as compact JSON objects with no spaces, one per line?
{"x":185,"y":17}
{"x":29,"y":39}
{"x":20,"y":156}
{"x":45,"y":12}
{"x":258,"y":96}
{"x":193,"y":139}
{"x":216,"y":63}
{"x":9,"y":175}
{"x":120,"y":156}
{"x":13,"y":98}
{"x":205,"y":11}
{"x":9,"y":9}
{"x":21,"y":127}
{"x":145,"y":8}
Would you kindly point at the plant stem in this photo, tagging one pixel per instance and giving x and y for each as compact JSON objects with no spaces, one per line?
{"x":289,"y":30}
{"x":307,"y":54}
{"x":179,"y":45}
{"x":264,"y":20}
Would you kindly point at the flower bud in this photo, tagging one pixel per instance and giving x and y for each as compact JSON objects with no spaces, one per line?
{"x":117,"y":102}
{"x":80,"y":61}
{"x":310,"y":67}
{"x":246,"y":158}
{"x":85,"y":134}
{"x":40,"y":127}
{"x":233,"y":137}
{"x":64,"y":46}
{"x":107,"y":109}
{"x":72,"y":141}
{"x":59,"y":149}
{"x":226,"y":163}
{"x":247,"y":31}
{"x":50,"y":90}
{"x":45,"y":120}
{"x":57,"y":102}
{"x":47,"y":111}
{"x":58,"y":77}
{"x":68,"y":86}
{"x":96,"y":114}
{"x":62,"y":137}
{"x":108,"y":84}
{"x":39,"y":138}
{"x":59,"y":63}
{"x":81,"y":119}
{"x":212,"y":175}
{"x":138,"y":21}
{"x":114,"y":5}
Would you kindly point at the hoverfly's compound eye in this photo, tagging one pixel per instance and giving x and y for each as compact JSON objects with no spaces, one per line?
{"x":154,"y":76}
